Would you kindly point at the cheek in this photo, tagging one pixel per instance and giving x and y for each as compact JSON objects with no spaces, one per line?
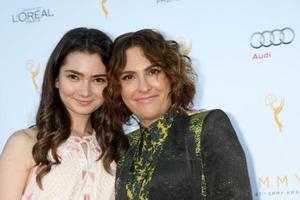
{"x":124,"y":95}
{"x":98,"y":91}
{"x":166,"y":90}
{"x":168,"y":87}
{"x":163,"y":84}
{"x":127,"y":90}
{"x":66,"y":90}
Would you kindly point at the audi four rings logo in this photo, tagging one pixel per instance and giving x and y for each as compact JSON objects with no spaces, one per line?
{"x":275,"y":37}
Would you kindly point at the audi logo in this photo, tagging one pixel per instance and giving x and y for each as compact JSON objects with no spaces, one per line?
{"x":275,"y":37}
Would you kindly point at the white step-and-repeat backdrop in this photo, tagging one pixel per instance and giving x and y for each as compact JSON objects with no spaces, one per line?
{"x":246,"y":54}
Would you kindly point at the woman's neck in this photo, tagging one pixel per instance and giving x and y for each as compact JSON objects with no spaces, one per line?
{"x":81,"y":126}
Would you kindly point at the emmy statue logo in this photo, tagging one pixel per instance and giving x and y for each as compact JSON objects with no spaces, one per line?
{"x":271,"y":100}
{"x":34,"y":71}
{"x":186,"y":48}
{"x":104,"y":9}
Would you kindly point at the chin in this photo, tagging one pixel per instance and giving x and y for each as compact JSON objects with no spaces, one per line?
{"x":85,"y":111}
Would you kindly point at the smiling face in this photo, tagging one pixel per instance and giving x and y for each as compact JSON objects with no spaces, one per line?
{"x":145,"y":87}
{"x":80,"y":83}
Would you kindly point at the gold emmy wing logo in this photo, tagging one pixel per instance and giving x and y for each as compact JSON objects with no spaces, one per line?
{"x":34,"y":70}
{"x":270,"y":101}
{"x":186,"y":47}
{"x":104,"y":8}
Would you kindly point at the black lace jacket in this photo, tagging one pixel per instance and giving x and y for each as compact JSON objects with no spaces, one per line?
{"x":182,"y":157}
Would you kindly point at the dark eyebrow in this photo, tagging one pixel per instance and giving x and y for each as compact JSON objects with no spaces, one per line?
{"x":99,"y":75}
{"x":147,"y":68}
{"x":73,"y":71}
{"x":151,"y":66}
{"x":80,"y":74}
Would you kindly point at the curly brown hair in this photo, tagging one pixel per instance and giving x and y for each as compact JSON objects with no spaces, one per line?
{"x":53,"y":120}
{"x":160,"y":52}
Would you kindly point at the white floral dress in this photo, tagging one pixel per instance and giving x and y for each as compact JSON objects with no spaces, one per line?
{"x":79,"y":176}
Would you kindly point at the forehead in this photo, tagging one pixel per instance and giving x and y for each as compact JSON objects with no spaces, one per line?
{"x":84,"y":62}
{"x":136,"y":59}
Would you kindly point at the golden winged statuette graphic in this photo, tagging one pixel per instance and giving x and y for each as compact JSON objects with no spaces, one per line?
{"x":270,"y":101}
{"x":104,"y":9}
{"x":34,"y":71}
{"x":185,"y":48}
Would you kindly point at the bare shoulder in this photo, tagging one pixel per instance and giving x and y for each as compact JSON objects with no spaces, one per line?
{"x":16,"y":163}
{"x":23,"y":137}
{"x":31,"y":133}
{"x":19,"y":146}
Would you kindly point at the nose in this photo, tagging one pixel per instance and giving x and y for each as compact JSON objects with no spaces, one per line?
{"x":144,"y":85}
{"x":85,"y":89}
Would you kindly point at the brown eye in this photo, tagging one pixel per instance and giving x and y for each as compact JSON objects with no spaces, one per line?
{"x":73,"y":77}
{"x":100,"y":80}
{"x":154,"y":71}
{"x":127,"y":77}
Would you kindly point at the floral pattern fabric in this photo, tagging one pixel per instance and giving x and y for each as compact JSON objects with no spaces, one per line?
{"x":79,"y":176}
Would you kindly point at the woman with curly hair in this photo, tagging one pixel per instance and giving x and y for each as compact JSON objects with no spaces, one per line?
{"x":177,"y":153}
{"x":71,"y":151}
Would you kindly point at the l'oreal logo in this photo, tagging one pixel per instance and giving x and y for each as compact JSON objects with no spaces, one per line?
{"x":31,"y":15}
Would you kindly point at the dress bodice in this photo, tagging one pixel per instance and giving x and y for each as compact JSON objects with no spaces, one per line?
{"x":79,"y":176}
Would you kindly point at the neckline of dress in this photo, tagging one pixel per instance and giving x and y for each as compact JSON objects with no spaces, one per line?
{"x":83,"y":138}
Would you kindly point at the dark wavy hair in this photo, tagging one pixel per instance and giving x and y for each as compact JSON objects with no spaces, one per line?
{"x":161,"y":52}
{"x":53,"y":120}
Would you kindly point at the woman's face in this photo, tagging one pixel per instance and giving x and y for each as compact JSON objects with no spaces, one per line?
{"x":145,"y":87}
{"x":80,"y":83}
